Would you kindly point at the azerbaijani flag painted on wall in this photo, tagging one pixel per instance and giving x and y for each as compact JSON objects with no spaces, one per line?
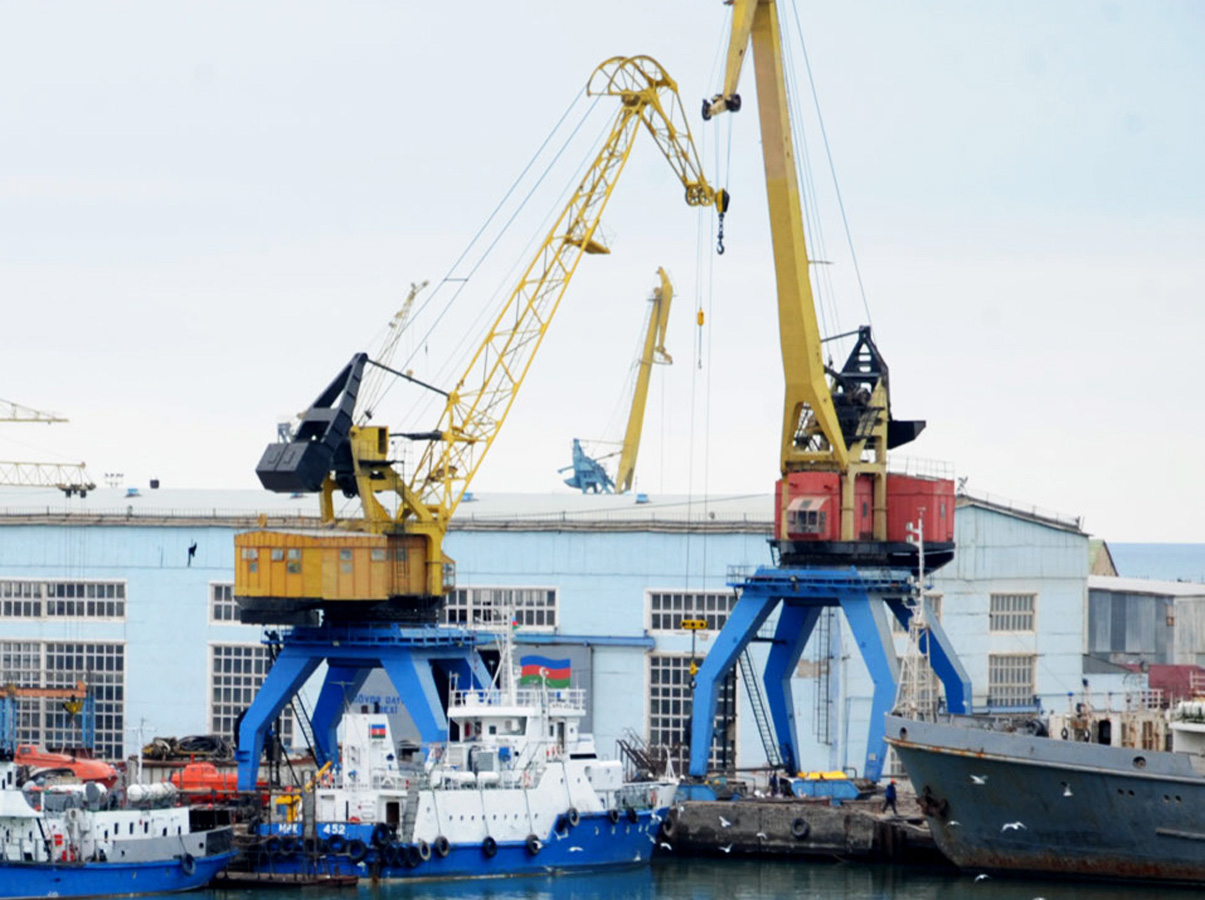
{"x":376,"y":732}
{"x":541,"y":670}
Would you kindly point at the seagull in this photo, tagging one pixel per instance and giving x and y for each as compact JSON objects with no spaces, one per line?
{"x":666,"y":846}
{"x":724,"y":823}
{"x":652,"y":840}
{"x":655,"y":817}
{"x":954,"y":823}
{"x":762,"y":835}
{"x":1066,"y":790}
{"x":982,"y":877}
{"x":1013,"y":826}
{"x":575,"y":849}
{"x":979,"y":779}
{"x":727,"y":849}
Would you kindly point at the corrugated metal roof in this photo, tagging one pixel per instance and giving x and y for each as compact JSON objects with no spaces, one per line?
{"x":1146,"y":586}
{"x":165,"y":503}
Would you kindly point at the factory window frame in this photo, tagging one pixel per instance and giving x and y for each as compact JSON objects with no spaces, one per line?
{"x":669,"y":710}
{"x":26,"y":599}
{"x":223,"y":610}
{"x":236,"y":672}
{"x":62,"y":664}
{"x":1010,"y":679}
{"x":934,"y":605}
{"x":488,"y":608}
{"x":667,"y":609}
{"x":1012,"y":612}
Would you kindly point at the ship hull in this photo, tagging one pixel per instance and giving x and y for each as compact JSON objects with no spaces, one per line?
{"x":22,"y":880}
{"x":1013,"y":803}
{"x":594,"y":843}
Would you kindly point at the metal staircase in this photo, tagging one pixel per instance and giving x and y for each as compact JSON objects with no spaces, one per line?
{"x":757,"y":701}
{"x":822,"y":709}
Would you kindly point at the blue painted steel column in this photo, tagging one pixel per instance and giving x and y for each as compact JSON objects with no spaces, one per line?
{"x":284,"y":679}
{"x":746,"y":617}
{"x":868,"y":622}
{"x":338,"y":687}
{"x":949,"y":669}
{"x":412,"y":676}
{"x":795,"y":625}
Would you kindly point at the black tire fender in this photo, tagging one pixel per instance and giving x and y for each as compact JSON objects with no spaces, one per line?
{"x":633,"y":816}
{"x":534,"y":845}
{"x":613,"y":815}
{"x":489,"y":847}
{"x":572,"y":817}
{"x":442,"y":847}
{"x":424,"y":850}
{"x":356,"y":850}
{"x":188,"y":864}
{"x":800,"y":828}
{"x":336,"y":843}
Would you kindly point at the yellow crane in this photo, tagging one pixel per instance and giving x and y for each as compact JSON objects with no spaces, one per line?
{"x":66,"y":477}
{"x":374,"y":381}
{"x":392,"y":563}
{"x":836,"y":424}
{"x":588,"y":473}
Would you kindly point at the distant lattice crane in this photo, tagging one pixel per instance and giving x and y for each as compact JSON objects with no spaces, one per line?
{"x":67,"y":477}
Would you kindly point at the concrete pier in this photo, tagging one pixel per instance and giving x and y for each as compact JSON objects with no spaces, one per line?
{"x":776,"y":827}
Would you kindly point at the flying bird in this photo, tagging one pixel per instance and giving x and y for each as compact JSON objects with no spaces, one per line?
{"x":652,"y":840}
{"x":982,"y":877}
{"x":727,"y":849}
{"x":762,"y":835}
{"x":979,"y":779}
{"x":666,"y":846}
{"x":1012,"y":826}
{"x":954,"y":823}
{"x":575,"y":849}
{"x":724,"y":823}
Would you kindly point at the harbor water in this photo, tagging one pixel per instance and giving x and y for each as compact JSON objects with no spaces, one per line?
{"x":732,"y":879}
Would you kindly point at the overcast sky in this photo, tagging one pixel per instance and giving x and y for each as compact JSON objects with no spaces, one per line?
{"x":206,"y":208}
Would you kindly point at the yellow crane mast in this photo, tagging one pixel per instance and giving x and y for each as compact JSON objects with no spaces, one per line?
{"x":832,"y":499}
{"x":392,"y":564}
{"x":653,"y":353}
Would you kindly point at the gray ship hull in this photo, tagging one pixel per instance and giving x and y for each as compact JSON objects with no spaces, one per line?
{"x":1013,"y":803}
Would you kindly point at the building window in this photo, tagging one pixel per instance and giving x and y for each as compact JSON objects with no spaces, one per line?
{"x":1012,"y":612}
{"x":934,"y":607}
{"x":1010,"y":679}
{"x":670,"y":696}
{"x":488,"y":608}
{"x":667,"y":609}
{"x":236,"y":673}
{"x":222,"y":607}
{"x":62,"y":599}
{"x":63,"y":664}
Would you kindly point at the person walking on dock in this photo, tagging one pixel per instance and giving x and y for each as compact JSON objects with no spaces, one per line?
{"x":889,"y":798}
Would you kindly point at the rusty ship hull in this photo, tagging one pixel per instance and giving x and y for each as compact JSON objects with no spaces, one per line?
{"x":1008,"y":803}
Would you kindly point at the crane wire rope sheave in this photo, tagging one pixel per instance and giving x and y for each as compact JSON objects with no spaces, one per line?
{"x":834,"y":421}
{"x":332,"y":453}
{"x":589,"y":473}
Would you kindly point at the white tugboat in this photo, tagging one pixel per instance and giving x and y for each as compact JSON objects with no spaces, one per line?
{"x":523,"y":790}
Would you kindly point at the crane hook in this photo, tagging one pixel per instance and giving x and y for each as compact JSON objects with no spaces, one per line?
{"x":722,"y":198}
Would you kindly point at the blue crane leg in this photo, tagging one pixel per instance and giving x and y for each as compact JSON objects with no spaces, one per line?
{"x":341,"y":684}
{"x":949,"y":669}
{"x":868,"y":623}
{"x":284,"y":679}
{"x":411,"y":675}
{"x":746,"y":617}
{"x":795,"y":625}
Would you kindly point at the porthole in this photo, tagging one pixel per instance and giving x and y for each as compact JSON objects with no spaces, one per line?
{"x":1139,"y":762}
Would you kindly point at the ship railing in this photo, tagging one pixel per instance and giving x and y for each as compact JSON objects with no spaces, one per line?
{"x":637,"y":796}
{"x":555,"y":699}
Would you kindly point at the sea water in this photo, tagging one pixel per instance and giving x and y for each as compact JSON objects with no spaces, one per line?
{"x":732,"y":879}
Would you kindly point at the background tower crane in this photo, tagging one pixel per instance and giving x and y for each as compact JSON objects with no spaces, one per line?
{"x":841,"y":520}
{"x":67,"y":477}
{"x":588,"y":473}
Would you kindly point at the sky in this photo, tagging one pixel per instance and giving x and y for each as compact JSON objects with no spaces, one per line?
{"x":206,"y":208}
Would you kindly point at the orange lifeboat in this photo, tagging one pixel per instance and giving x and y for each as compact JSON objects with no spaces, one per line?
{"x":82,"y":767}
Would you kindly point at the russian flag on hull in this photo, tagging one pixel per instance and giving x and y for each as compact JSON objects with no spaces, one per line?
{"x":554,"y":673}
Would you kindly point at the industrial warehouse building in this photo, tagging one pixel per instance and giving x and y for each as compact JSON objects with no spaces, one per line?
{"x":132,"y":592}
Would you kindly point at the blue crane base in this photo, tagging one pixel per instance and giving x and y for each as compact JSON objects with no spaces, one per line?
{"x":410,"y":656}
{"x":865,"y":596}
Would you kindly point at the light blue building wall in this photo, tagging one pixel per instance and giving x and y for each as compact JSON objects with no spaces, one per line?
{"x":603,"y":565}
